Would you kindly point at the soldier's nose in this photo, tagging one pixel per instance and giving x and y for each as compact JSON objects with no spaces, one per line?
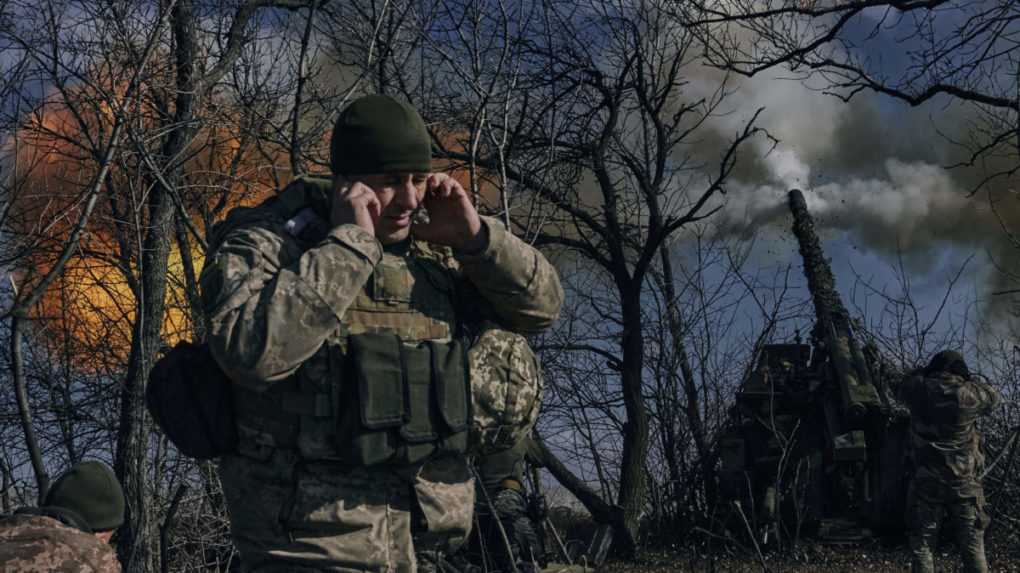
{"x":408,"y":195}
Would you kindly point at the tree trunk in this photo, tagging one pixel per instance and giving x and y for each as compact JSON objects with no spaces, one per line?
{"x":5,"y":488}
{"x":191,"y":293}
{"x":132,"y":439}
{"x":635,"y":431}
{"x":42,"y":479}
{"x":539,"y":454}
{"x":164,"y":529}
{"x":135,"y":547}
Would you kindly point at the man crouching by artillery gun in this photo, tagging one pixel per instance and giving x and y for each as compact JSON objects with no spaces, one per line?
{"x":819,"y":442}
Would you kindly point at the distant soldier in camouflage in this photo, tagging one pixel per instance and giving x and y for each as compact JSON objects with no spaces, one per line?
{"x":71,"y":532}
{"x":945,"y":403}
{"x":337,"y":312}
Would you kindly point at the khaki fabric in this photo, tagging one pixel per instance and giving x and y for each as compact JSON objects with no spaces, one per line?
{"x":280,"y":290}
{"x":945,"y":409}
{"x":445,"y":493}
{"x":35,"y":543}
{"x":506,"y":391}
{"x":272,"y":300}
{"x":321,"y":516}
{"x":930,"y":504}
{"x":948,"y":464}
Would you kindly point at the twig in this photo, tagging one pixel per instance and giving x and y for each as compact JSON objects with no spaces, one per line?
{"x":750,"y":532}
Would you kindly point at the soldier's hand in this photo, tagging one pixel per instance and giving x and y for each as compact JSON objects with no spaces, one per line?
{"x":355,"y":203}
{"x":453,"y":220}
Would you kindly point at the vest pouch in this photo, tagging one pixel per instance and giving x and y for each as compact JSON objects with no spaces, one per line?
{"x":418,"y":433}
{"x":452,"y":393}
{"x":373,"y":407}
{"x":438,"y":401}
{"x":407,"y":403}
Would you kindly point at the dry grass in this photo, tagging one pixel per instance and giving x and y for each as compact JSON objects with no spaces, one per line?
{"x":813,"y":559}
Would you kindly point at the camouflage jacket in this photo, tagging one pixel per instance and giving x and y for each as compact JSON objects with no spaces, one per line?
{"x":944,"y":412}
{"x":279,"y":283}
{"x":38,"y":543}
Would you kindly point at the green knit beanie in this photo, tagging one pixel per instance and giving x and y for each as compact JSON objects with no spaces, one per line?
{"x":90,"y":490}
{"x":378,"y":134}
{"x":948,"y":361}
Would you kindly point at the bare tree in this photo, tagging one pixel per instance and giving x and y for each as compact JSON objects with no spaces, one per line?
{"x":124,"y":133}
{"x":597,"y":148}
{"x":913,"y":51}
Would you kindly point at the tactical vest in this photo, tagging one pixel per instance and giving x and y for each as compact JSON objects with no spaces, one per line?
{"x":389,"y":386}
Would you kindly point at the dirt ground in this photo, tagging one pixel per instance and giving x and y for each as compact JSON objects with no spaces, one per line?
{"x":813,"y":559}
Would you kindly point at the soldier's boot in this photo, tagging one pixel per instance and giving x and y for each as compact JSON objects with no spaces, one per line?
{"x":921,"y":558}
{"x":525,"y":546}
{"x":970,"y":539}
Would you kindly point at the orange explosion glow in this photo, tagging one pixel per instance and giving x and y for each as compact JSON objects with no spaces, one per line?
{"x":92,"y":306}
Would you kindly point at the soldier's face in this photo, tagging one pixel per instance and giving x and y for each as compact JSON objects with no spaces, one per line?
{"x":399,"y":195}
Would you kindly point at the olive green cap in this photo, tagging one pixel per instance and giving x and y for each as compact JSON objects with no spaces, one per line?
{"x":378,"y":134}
{"x":89,"y":490}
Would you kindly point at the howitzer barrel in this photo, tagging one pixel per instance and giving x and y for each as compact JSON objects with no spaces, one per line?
{"x":833,"y":327}
{"x":821,"y":282}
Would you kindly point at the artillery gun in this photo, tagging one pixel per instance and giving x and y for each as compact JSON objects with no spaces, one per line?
{"x":814,"y":446}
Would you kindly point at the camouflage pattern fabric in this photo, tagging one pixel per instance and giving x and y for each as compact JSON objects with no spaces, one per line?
{"x":35,"y":543}
{"x":506,"y":390}
{"x":948,"y":463}
{"x":931,"y":502}
{"x":286,"y":513}
{"x":280,"y":290}
{"x":526,"y":548}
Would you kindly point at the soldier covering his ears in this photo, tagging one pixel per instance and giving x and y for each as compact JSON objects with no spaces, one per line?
{"x":945,"y":403}
{"x":339,"y":319}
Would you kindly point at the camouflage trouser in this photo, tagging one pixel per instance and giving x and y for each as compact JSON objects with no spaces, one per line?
{"x":288,"y":514}
{"x":928,"y":503}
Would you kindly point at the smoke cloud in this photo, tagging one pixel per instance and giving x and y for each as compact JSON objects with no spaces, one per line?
{"x":874,"y":172}
{"x":908,"y":206}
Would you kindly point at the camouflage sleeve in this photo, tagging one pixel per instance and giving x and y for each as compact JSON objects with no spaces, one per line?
{"x":986,"y":395}
{"x":518,"y":283}
{"x":270,"y":305}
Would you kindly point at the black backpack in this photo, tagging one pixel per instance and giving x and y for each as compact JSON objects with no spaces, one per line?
{"x":190,"y":399}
